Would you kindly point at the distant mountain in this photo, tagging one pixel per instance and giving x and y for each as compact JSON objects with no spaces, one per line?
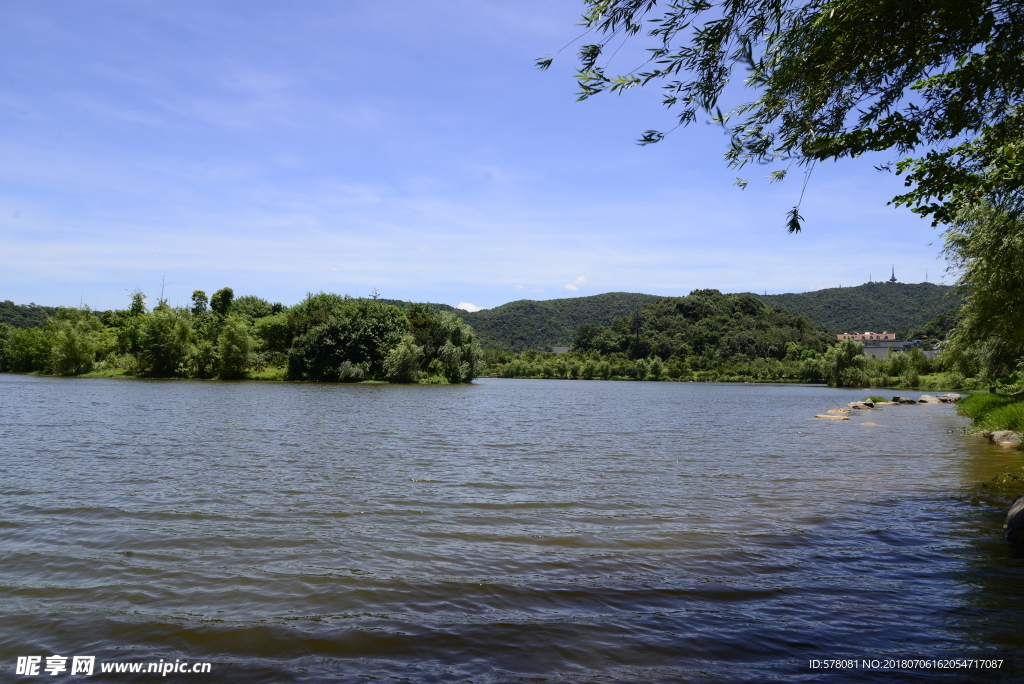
{"x":873,"y":306}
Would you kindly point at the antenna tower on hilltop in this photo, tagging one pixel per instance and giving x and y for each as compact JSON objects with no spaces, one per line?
{"x":893,"y":279}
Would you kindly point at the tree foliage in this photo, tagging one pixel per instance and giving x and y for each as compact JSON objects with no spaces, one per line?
{"x":942,"y":79}
{"x":24,"y":315}
{"x":360,"y":332}
{"x":986,"y":246}
{"x":708,"y":325}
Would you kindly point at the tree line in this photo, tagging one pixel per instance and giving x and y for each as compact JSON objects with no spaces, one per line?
{"x":705,"y":336}
{"x":709,"y":336}
{"x":326,"y":337}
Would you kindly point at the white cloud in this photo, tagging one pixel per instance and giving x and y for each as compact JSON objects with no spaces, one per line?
{"x":575,"y":284}
{"x":519,"y":287}
{"x":466,"y":306}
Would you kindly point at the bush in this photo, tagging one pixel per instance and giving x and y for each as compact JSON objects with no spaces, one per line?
{"x":955,"y":380}
{"x":910,"y":378}
{"x":350,"y":372}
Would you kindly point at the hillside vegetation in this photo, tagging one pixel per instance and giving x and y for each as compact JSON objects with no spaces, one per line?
{"x":704,"y":336}
{"x":528,"y":324}
{"x":872,"y":306}
{"x":920,"y":310}
{"x":24,"y":315}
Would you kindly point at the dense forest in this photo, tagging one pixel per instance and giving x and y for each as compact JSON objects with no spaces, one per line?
{"x":326,"y":337}
{"x":24,"y":315}
{"x":706,"y":335}
{"x":872,"y":306}
{"x":710,"y":336}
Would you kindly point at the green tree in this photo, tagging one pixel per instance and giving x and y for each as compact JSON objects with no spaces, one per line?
{"x":403,"y":362}
{"x":234,"y":347}
{"x":357,"y":332}
{"x":203,"y":360}
{"x":165,"y":340}
{"x":199,"y":302}
{"x":845,"y":365}
{"x":73,"y":352}
{"x":252,"y":307}
{"x":986,"y":247}
{"x":838,"y":78}
{"x":221,"y":301}
{"x":138,"y":305}
{"x":273,"y":331}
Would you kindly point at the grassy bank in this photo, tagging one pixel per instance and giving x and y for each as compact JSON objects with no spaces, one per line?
{"x":993,"y":411}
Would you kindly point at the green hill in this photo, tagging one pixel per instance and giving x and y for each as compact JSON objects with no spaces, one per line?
{"x":24,"y":315}
{"x":707,"y":328}
{"x":529,"y":324}
{"x":872,"y":306}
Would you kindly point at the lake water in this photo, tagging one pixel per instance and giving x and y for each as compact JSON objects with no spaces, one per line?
{"x":504,"y":531}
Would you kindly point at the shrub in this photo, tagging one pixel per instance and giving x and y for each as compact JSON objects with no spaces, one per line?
{"x":910,"y":378}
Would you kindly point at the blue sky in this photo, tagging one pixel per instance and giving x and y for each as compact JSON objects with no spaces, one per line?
{"x":407,"y":147}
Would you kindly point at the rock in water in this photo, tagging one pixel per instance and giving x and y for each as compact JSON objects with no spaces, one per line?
{"x":1004,"y":437}
{"x":928,"y":399}
{"x":1014,"y":526}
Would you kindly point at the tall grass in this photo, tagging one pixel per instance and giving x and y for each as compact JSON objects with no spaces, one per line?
{"x":993,"y":411}
{"x":1009,"y":417}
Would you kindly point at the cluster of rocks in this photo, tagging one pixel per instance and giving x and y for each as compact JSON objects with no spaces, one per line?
{"x":951,"y":398}
{"x":839,"y":414}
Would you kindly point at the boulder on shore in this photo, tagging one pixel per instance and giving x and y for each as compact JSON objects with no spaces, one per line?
{"x":1004,"y":437}
{"x":949,"y":398}
{"x":1013,"y":528}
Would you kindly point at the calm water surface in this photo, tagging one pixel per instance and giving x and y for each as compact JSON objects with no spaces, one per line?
{"x":505,"y":531}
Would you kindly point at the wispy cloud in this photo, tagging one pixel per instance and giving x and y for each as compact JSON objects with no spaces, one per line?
{"x":466,"y":306}
{"x":265,"y":151}
{"x":575,"y":284}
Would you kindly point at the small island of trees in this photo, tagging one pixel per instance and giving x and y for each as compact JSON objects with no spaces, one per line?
{"x":326,"y":337}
